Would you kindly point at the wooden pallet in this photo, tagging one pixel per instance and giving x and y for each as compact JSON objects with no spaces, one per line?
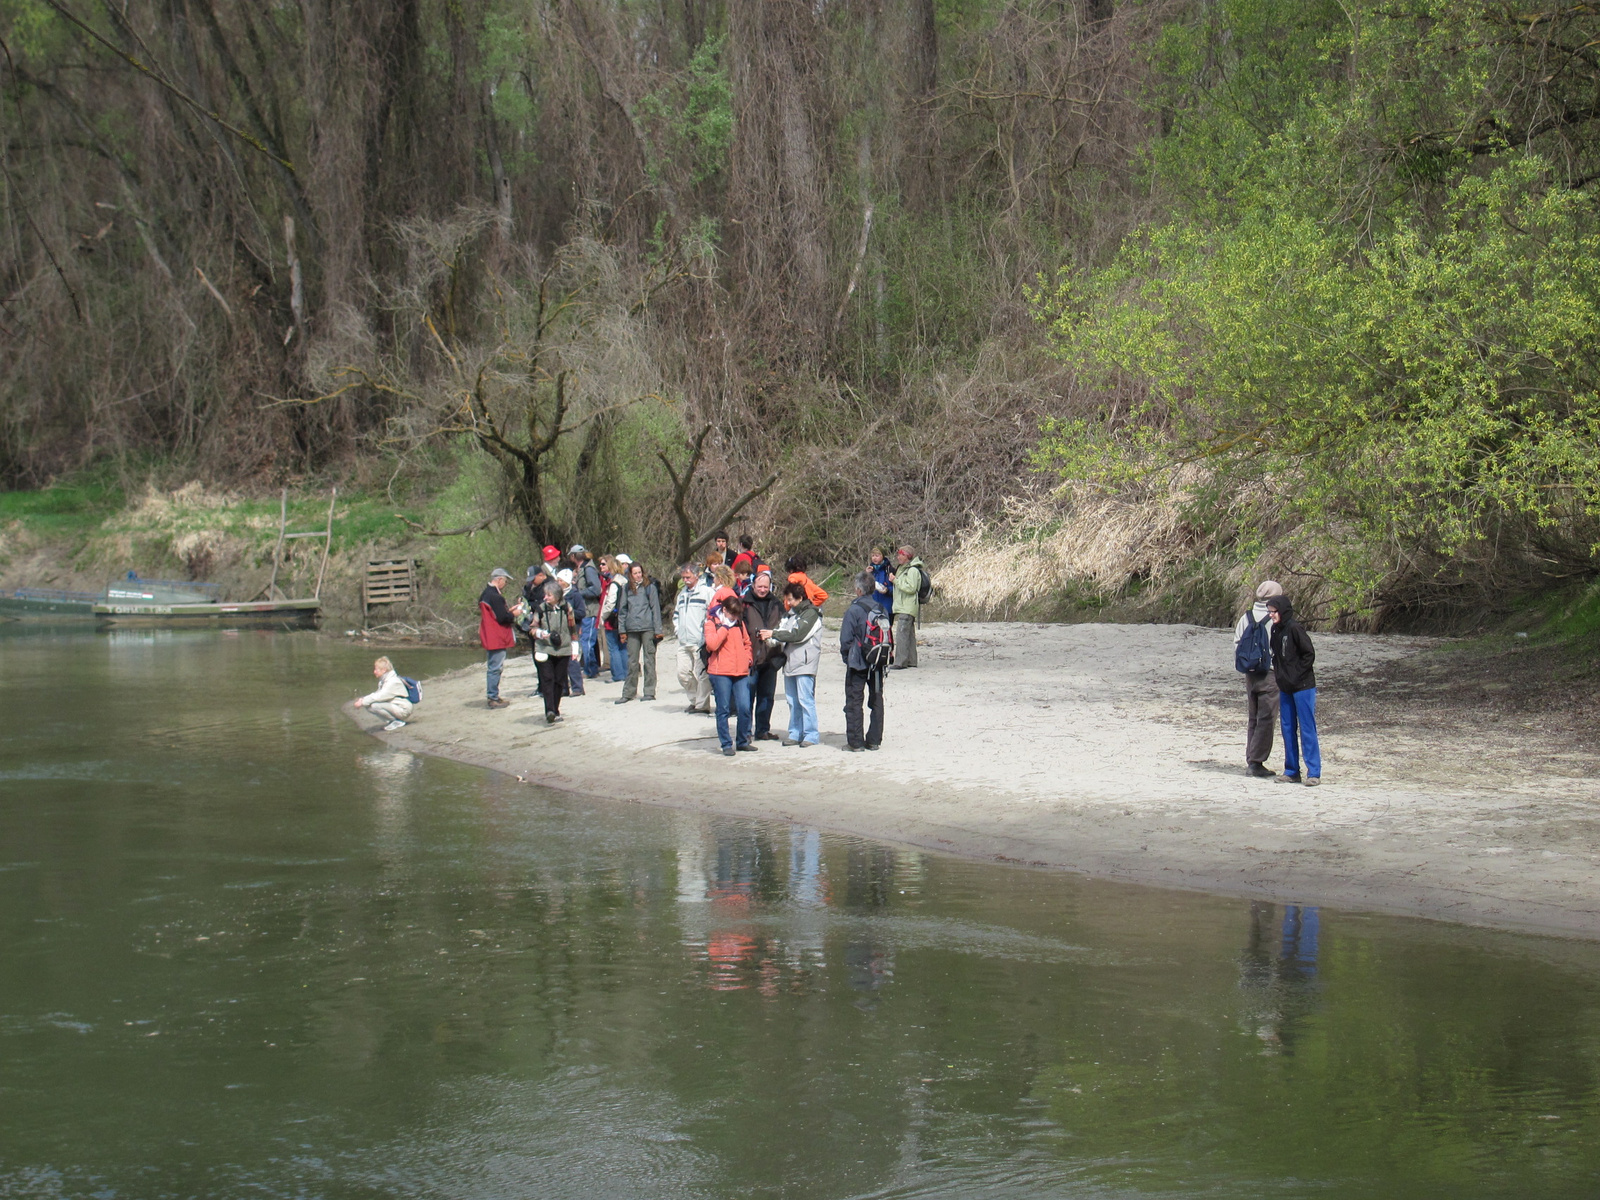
{"x":389,"y":581}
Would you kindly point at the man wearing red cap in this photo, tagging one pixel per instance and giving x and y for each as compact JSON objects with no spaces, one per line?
{"x":551,"y":555}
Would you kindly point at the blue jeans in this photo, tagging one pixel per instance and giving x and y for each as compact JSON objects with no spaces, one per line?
{"x":801,"y":691}
{"x":1297,"y":714}
{"x":589,"y":646}
{"x":496,"y":664}
{"x":619,"y":656}
{"x":732,"y":692}
{"x":574,"y":675}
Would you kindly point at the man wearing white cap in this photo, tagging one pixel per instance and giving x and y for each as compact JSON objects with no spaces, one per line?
{"x":1252,"y":658}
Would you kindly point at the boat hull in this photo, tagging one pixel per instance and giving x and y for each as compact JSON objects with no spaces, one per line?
{"x":259,"y":612}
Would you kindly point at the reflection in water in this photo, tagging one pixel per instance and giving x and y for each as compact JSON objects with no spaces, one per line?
{"x":1278,"y":988}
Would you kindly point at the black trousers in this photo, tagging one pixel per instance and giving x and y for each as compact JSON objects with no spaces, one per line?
{"x":856,"y":685}
{"x":552,"y":681}
{"x":763,"y":687}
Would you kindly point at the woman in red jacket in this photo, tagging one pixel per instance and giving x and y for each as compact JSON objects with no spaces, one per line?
{"x":728,"y":645}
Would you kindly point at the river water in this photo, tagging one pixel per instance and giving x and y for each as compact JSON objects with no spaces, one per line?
{"x":249,"y":951}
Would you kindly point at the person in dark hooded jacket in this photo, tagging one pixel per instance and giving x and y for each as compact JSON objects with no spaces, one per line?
{"x":1293,"y":666}
{"x":763,"y":610}
{"x":862,"y":679}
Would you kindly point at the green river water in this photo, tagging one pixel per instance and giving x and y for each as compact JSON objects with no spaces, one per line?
{"x":249,"y":951}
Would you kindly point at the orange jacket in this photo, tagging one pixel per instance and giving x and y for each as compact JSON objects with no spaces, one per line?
{"x":729,"y":648}
{"x":814,"y":594}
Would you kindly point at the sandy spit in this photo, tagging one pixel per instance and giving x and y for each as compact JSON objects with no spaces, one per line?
{"x":1112,"y":750}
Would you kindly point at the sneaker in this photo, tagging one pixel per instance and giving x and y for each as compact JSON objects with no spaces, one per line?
{"x":498,"y":704}
{"x":1313,"y":780}
{"x":748,"y":748}
{"x":1287,"y":778}
{"x":624,"y":700}
{"x":808,"y":745}
{"x":1257,"y":771}
{"x":647,"y":697}
{"x":874,"y":745}
{"x":854,"y":749}
{"x":691,"y":710}
{"x":789,"y":742}
{"x":393,"y":725}
{"x":728,"y":750}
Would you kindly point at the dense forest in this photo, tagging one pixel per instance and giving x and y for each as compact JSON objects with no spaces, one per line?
{"x":1097,"y":294}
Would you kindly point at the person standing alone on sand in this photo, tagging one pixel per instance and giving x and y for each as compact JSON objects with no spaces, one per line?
{"x":864,"y":622}
{"x":497,"y":632}
{"x":1293,"y":659}
{"x":1252,"y":658}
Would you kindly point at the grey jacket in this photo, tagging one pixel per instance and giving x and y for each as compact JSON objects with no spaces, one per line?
{"x":639,"y":611}
{"x":800,"y":633}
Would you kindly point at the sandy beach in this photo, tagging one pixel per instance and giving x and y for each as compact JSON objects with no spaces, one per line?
{"x":1113,"y":750}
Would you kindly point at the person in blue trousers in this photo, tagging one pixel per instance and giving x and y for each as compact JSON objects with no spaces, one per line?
{"x":1293,"y":666}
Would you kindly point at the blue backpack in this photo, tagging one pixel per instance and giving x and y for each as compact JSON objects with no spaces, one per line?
{"x":1254,"y":652}
{"x":413,"y":690}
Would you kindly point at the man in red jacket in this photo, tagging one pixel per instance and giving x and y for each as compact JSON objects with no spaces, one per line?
{"x":497,"y":630}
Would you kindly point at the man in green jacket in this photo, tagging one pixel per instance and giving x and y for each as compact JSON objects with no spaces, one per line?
{"x":907,"y":580}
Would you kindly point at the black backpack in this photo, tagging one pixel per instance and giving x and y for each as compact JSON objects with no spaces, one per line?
{"x":925,"y":588}
{"x":1253,"y":654}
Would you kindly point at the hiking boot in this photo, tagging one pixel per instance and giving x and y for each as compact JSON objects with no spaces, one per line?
{"x":691,"y":710}
{"x":497,"y":703}
{"x":647,"y":697}
{"x":766,"y":737}
{"x":1257,"y":771}
{"x":1287,"y":778}
{"x":808,"y":745}
{"x":624,"y":700}
{"x":393,"y":725}
{"x":1313,"y":780}
{"x":854,"y":749}
{"x":550,"y":718}
{"x":789,"y":742}
{"x":728,"y":750}
{"x":747,"y":748}
{"x":874,"y":745}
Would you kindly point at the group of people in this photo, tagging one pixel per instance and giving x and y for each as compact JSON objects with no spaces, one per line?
{"x":1274,"y":653}
{"x":738,"y":629}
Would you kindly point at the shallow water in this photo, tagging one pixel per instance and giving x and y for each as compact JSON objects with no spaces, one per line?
{"x":250,"y":951}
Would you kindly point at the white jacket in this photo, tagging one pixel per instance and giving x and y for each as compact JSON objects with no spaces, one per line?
{"x":391,"y":691}
{"x":689,"y":614}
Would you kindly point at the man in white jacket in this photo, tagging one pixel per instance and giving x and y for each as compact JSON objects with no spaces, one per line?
{"x":390,"y":700}
{"x":1260,"y":689}
{"x":689,"y":623}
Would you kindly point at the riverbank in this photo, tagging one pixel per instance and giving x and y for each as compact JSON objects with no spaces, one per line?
{"x":1117,"y":751}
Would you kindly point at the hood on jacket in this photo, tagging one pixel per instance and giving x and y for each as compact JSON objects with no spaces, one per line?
{"x":1281,"y":604}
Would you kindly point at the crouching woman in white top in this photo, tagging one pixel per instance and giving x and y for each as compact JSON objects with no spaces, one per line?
{"x":389,"y":700}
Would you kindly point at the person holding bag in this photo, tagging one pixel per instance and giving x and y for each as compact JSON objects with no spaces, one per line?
{"x":727,"y":645}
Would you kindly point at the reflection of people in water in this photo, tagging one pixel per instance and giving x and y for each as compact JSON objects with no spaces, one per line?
{"x":1279,"y":988}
